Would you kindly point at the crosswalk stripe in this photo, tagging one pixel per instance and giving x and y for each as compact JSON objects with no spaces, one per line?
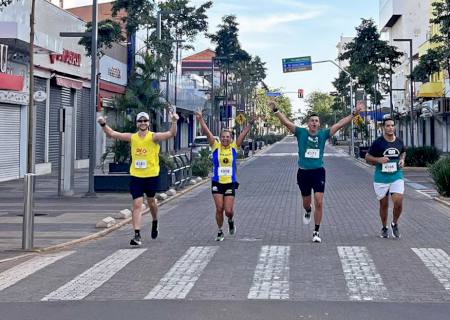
{"x":23,"y":270}
{"x":361,"y":275}
{"x":271,"y":277}
{"x":82,"y":285}
{"x":438,"y":262}
{"x":180,"y":279}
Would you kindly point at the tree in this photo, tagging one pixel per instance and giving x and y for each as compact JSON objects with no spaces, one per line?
{"x":320,"y":103}
{"x":371,"y":59}
{"x":441,"y":18}
{"x":109,"y":32}
{"x":139,"y":13}
{"x":429,"y":63}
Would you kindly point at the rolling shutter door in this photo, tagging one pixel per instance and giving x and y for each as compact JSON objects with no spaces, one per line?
{"x":10,"y":142}
{"x":40,"y":84}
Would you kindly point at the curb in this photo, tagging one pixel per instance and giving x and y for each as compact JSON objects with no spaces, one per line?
{"x":442,"y":201}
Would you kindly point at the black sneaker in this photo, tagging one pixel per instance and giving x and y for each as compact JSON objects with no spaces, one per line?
{"x":154,"y":229}
{"x":231,"y":227}
{"x":395,"y":231}
{"x":384,"y":233}
{"x":136,"y":241}
{"x":220,"y":236}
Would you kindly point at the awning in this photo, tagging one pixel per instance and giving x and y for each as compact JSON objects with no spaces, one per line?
{"x":69,"y":83}
{"x":11,"y":82}
{"x":431,"y":90}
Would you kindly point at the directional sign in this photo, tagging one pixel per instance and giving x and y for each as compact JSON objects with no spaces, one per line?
{"x":297,"y":64}
{"x":273,"y":94}
{"x":240,"y":119}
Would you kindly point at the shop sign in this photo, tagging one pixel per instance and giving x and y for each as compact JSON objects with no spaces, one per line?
{"x":68,"y":57}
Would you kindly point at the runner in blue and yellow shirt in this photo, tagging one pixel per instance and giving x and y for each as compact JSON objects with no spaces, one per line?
{"x":223,"y":181}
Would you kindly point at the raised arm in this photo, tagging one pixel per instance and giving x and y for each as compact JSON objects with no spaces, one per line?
{"x":244,"y":132}
{"x":346,"y":120}
{"x":110,"y":133}
{"x":205,"y":128}
{"x":163,"y":136}
{"x":284,"y":120}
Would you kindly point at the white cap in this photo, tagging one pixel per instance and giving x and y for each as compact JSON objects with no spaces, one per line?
{"x":142,"y":115}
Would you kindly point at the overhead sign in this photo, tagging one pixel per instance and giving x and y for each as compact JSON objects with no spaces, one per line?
{"x":297,"y":64}
{"x":273,"y":94}
{"x":113,"y":70}
{"x":240,"y":119}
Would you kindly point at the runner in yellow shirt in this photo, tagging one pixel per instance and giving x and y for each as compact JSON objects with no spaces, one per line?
{"x":144,"y":168}
{"x":223,"y":181}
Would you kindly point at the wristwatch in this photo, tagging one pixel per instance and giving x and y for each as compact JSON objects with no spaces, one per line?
{"x":275,"y":110}
{"x":103,"y":124}
{"x":354,"y":113}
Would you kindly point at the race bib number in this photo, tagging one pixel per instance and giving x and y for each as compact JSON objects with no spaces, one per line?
{"x":225,"y":171}
{"x":389,"y":167}
{"x":140,"y":164}
{"x":312,"y":153}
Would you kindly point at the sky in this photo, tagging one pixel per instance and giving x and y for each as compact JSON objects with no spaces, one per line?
{"x":277,"y":29}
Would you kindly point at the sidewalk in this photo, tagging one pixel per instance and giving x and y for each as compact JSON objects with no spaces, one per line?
{"x":60,"y":221}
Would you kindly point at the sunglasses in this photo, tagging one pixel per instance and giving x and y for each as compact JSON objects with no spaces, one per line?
{"x":142,"y":121}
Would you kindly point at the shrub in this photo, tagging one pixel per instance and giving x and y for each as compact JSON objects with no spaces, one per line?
{"x":166,"y":161}
{"x":440,"y":172}
{"x":421,"y":156}
{"x":202,"y":165}
{"x":270,"y":138}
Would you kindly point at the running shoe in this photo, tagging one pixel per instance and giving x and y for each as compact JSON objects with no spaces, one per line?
{"x":154,"y":229}
{"x":220,"y":236}
{"x":307,"y":218}
{"x":395,"y":231}
{"x":136,"y":241}
{"x":231,"y":227}
{"x":316,"y":237}
{"x":384,"y":233}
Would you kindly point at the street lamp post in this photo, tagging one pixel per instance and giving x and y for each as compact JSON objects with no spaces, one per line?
{"x":410,"y":86}
{"x":352,"y":142}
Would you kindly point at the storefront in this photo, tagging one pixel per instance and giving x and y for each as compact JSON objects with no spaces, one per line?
{"x":13,"y":102}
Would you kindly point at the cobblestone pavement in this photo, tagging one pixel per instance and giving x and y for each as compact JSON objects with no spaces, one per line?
{"x":270,"y":258}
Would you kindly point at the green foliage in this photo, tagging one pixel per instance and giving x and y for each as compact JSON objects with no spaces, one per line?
{"x":441,"y":18}
{"x":270,"y":138}
{"x":4,"y":3}
{"x":138,"y":13}
{"x":428,"y":64}
{"x":166,"y":161}
{"x":421,"y":156}
{"x":109,"y":32}
{"x":440,"y":172}
{"x":370,"y":59}
{"x":202,"y":165}
{"x":320,"y":103}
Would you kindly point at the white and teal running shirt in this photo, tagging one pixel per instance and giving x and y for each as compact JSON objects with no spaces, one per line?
{"x":311,"y":147}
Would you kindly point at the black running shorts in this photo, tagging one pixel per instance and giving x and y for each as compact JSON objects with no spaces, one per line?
{"x":311,"y":179}
{"x":227,"y":189}
{"x":139,"y":186}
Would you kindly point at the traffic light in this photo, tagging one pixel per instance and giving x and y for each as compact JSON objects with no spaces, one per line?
{"x":300,"y":93}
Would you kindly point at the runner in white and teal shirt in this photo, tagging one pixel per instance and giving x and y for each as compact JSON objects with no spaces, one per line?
{"x":387,"y":153}
{"x":311,"y":173}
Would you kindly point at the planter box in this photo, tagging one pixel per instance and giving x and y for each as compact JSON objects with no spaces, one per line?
{"x":120,"y":182}
{"x":122,"y":167}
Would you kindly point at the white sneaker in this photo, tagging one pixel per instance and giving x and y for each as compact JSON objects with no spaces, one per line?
{"x":316,"y":237}
{"x":307,"y":218}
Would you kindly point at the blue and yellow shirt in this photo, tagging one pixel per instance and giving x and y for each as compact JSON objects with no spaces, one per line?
{"x":144,"y":156}
{"x":224,"y":162}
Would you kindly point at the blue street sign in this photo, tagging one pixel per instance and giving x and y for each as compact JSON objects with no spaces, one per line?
{"x":273,"y":94}
{"x":297,"y":64}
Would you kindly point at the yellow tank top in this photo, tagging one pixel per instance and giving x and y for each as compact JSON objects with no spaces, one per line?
{"x":144,"y":156}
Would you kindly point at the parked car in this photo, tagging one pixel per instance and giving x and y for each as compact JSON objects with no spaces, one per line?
{"x":200,"y":142}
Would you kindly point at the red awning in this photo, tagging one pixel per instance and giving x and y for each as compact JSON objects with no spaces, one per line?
{"x":69,"y":83}
{"x":11,"y":82}
{"x":111,"y":87}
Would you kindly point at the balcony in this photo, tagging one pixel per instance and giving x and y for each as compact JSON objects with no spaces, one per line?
{"x":390,"y":12}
